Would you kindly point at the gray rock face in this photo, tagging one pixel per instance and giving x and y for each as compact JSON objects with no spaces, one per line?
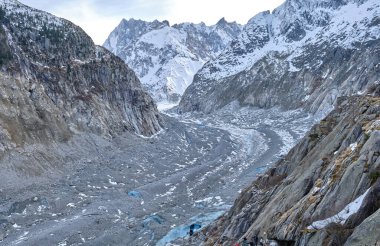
{"x":54,"y":81}
{"x":167,"y":57}
{"x":324,"y":190}
{"x":366,"y":233}
{"x":304,"y":54}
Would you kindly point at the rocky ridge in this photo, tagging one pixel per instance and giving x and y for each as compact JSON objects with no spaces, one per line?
{"x":166,"y":57}
{"x":325,"y":191}
{"x":303,"y":54}
{"x":55,"y":82}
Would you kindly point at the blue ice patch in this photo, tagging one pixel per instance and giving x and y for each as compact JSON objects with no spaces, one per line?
{"x":134,"y":194}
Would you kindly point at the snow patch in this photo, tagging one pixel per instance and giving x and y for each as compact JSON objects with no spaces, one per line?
{"x":353,"y":146}
{"x":342,"y":216}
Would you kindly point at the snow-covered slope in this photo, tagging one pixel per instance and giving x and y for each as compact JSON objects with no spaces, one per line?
{"x":304,"y":53}
{"x":167,"y":57}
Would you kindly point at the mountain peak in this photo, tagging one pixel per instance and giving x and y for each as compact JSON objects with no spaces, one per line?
{"x":260,"y":16}
{"x":222,"y":21}
{"x":138,"y":22}
{"x":297,"y":29}
{"x":187,"y":46}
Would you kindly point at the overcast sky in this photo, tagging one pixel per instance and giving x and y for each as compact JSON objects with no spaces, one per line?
{"x":99,"y":17}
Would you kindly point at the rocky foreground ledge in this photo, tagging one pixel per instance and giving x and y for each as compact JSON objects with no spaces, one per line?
{"x":326,"y":191}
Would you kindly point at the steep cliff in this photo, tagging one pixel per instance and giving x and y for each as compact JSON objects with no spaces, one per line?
{"x":166,"y":57}
{"x":303,"y":54}
{"x":325,"y":191}
{"x":55,"y":82}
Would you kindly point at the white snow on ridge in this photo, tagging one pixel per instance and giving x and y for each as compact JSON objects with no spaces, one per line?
{"x":163,"y":37}
{"x":347,"y":25}
{"x":342,"y":216}
{"x":166,"y":58}
{"x":176,"y":75}
{"x":113,"y":43}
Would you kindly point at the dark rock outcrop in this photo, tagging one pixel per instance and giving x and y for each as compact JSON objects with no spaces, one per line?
{"x":326,"y":191}
{"x":54,"y":82}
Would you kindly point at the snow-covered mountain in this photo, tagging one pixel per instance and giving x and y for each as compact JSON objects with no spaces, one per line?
{"x":305,"y":53}
{"x":167,"y":57}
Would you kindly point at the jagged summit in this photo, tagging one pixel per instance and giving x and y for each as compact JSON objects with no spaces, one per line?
{"x":167,"y":57}
{"x":222,"y":21}
{"x":298,"y":46}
